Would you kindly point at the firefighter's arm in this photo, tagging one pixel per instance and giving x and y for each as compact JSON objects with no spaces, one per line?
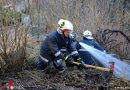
{"x":73,"y":50}
{"x":54,"y":47}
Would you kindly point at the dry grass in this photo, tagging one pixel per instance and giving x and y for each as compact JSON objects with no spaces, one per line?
{"x":115,"y":42}
{"x":13,"y":47}
{"x":84,"y":14}
{"x":13,"y":40}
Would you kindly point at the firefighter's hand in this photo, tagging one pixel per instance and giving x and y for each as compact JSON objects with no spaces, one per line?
{"x":69,"y":61}
{"x":77,"y":58}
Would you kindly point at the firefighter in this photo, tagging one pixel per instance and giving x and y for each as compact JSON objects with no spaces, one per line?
{"x":55,"y":45}
{"x":88,"y":39}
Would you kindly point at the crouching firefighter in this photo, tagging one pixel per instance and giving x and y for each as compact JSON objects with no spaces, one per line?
{"x":56,"y":43}
{"x":88,"y":40}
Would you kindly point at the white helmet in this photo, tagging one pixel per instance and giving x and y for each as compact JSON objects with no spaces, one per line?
{"x":65,"y":25}
{"x":87,"y":34}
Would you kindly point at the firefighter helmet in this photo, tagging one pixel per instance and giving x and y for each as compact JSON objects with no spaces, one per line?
{"x":87,"y":34}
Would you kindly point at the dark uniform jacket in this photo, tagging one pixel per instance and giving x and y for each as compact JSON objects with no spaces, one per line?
{"x":54,"y":44}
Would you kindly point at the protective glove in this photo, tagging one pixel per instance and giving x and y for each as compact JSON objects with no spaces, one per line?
{"x":69,"y":61}
{"x":77,"y":58}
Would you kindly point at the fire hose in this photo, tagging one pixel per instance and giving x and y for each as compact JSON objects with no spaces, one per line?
{"x":110,"y":69}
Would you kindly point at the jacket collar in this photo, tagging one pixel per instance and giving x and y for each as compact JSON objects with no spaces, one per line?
{"x":59,"y":31}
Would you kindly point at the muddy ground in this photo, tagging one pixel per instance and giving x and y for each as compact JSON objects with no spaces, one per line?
{"x":71,"y":79}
